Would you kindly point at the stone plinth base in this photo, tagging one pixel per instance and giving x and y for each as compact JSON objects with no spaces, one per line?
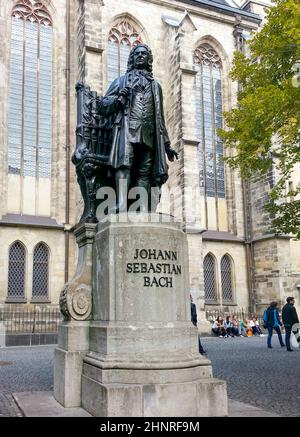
{"x":73,"y":345}
{"x":203,"y":397}
{"x":149,"y":370}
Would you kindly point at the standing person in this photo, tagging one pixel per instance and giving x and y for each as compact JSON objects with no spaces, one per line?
{"x":272,"y":321}
{"x":195,"y":323}
{"x":289,"y":318}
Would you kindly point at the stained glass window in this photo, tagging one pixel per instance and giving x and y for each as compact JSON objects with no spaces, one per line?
{"x":209,"y":270}
{"x":30,"y":88}
{"x":209,"y":119}
{"x":40,"y":281}
{"x":122,"y":37}
{"x":16,"y":271}
{"x":226,"y":279}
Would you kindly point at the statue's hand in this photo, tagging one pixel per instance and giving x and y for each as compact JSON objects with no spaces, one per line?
{"x":123,"y":95}
{"x":171,"y":153}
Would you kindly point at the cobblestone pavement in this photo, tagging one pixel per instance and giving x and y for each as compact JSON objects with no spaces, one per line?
{"x":23,"y":369}
{"x":265,"y":378}
{"x":8,"y":407}
{"x":262,"y":377}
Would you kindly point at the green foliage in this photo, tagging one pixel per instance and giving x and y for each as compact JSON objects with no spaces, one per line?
{"x":264,"y":129}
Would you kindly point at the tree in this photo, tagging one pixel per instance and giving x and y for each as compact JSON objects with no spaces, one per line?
{"x":264,"y":128}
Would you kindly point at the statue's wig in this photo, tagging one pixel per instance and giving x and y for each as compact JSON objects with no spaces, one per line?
{"x":130,"y":65}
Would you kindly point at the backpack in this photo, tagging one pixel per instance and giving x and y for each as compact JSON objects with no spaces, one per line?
{"x":265,"y":318}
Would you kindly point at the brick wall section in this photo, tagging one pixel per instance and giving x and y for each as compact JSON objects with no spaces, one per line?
{"x":89,"y":42}
{"x":93,"y":30}
{"x":260,"y":218}
{"x":273,"y":271}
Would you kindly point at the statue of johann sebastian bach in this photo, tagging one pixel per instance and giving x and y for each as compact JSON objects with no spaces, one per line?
{"x":139,"y":138}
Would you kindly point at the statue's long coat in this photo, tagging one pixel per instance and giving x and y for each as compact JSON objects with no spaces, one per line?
{"x":118,"y":121}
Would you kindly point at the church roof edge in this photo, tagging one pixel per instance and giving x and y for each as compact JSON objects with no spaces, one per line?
{"x":224,"y":7}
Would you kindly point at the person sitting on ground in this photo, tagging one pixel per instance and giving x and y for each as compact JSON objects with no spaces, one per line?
{"x":218,"y":328}
{"x":229,"y":326}
{"x":242,"y":328}
{"x":248,"y":327}
{"x":256,"y":330}
{"x":235,"y":325}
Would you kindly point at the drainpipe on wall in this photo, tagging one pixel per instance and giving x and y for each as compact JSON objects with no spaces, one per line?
{"x":67,"y":211}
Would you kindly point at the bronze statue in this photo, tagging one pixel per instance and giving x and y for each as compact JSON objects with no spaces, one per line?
{"x":125,"y":134}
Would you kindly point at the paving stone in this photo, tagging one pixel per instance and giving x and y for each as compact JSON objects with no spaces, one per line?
{"x":43,"y":404}
{"x":255,"y":375}
{"x":8,"y":407}
{"x":267,"y":379}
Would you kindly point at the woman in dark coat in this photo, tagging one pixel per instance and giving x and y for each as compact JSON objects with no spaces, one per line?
{"x":289,"y":318}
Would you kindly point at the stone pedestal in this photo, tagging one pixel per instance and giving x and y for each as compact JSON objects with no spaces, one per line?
{"x":73,"y":335}
{"x":73,"y":345}
{"x":143,"y":357}
{"x":76,"y":297}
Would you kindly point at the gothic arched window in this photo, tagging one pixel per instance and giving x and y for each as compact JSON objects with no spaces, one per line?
{"x":209,"y":271}
{"x":30,"y":91}
{"x":226,"y":279}
{"x":40,"y":279}
{"x":16,"y":271}
{"x":122,"y":37}
{"x":209,"y":119}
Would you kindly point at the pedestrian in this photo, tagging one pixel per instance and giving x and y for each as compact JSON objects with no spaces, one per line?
{"x":195,"y":323}
{"x":272,"y":321}
{"x":289,"y":318}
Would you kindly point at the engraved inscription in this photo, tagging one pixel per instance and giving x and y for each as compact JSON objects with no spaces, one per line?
{"x":153,"y":268}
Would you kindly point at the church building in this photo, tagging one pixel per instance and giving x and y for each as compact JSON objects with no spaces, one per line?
{"x":47,"y":46}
